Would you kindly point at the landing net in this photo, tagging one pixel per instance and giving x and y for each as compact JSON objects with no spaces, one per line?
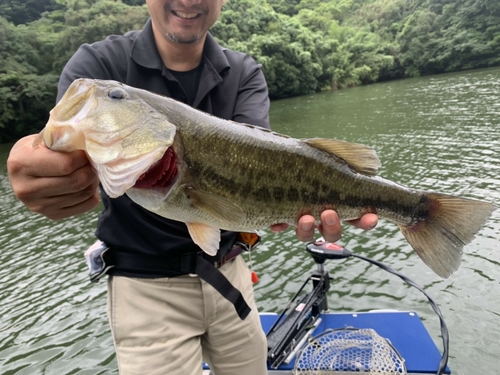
{"x":347,"y":351}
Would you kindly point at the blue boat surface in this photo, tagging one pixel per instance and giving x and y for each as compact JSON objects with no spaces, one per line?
{"x":403,"y":329}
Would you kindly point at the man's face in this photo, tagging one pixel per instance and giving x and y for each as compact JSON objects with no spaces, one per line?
{"x":184,"y":21}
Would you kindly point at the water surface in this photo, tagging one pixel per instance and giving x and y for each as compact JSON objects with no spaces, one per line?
{"x":437,"y":133}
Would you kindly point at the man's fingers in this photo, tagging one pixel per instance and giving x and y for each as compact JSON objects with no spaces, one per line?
{"x":80,"y":208}
{"x":70,"y":204}
{"x":55,"y":184}
{"x":305,"y":228}
{"x":276,"y":228}
{"x":366,"y":222}
{"x":330,"y":227}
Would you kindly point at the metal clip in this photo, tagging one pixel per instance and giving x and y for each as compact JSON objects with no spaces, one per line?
{"x":247,"y":240}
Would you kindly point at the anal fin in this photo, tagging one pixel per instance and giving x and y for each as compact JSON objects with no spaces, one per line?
{"x":205,"y":236}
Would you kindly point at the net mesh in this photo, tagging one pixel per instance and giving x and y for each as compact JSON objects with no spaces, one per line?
{"x":348,"y":351}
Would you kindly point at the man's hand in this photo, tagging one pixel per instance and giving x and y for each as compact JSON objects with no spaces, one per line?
{"x":55,"y":184}
{"x":330,"y":227}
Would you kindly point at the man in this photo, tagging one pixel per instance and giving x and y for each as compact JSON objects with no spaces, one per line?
{"x":164,"y":319}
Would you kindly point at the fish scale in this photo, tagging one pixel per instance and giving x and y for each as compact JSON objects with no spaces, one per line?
{"x":241,"y":178}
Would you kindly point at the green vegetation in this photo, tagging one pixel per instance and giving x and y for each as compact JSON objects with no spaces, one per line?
{"x":304,"y":46}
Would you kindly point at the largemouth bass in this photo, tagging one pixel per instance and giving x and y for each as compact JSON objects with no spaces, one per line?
{"x":215,"y":174}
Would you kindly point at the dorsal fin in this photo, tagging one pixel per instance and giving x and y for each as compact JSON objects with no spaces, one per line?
{"x":361,"y":158}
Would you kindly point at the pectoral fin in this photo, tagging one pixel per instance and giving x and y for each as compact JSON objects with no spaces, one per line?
{"x":205,"y":236}
{"x":361,"y":158}
{"x":215,"y":205}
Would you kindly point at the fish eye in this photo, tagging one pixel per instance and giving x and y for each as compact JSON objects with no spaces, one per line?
{"x":117,"y":94}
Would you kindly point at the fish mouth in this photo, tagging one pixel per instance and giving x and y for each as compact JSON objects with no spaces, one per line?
{"x":161,"y":174}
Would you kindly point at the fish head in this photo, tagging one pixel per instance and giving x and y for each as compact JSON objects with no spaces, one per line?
{"x":122,"y":134}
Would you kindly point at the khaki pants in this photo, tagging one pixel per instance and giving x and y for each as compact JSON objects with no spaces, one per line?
{"x":167,"y":326}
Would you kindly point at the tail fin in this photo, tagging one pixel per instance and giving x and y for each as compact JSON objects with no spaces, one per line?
{"x":452,"y":224}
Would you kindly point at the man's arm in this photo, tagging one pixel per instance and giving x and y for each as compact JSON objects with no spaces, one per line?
{"x":252,"y":101}
{"x":55,"y":184}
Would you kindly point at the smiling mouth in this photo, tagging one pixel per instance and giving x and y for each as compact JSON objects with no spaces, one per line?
{"x":185,"y":15}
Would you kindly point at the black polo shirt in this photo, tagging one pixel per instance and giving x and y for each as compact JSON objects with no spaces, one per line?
{"x":231,"y":86}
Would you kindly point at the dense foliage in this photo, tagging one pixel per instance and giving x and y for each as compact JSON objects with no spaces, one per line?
{"x":304,"y":46}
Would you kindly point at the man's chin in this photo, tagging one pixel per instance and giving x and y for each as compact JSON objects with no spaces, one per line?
{"x":183,"y":38}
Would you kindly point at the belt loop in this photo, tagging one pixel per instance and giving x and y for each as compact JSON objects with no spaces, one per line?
{"x":187,"y":263}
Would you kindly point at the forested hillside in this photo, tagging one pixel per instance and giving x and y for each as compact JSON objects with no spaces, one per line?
{"x":304,"y":45}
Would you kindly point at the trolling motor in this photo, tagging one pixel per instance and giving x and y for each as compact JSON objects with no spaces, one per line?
{"x":294,"y":325}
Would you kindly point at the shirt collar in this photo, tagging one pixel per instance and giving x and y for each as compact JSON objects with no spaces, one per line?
{"x":145,"y":53}
{"x":214,"y":53}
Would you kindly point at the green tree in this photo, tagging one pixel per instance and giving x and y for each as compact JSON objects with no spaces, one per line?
{"x":87,"y":21}
{"x":27,"y":88}
{"x":134,"y":2}
{"x":303,"y":45}
{"x":288,"y":7}
{"x":447,"y":36}
{"x":21,"y":12}
{"x":285,"y":48}
{"x":16,"y":53}
{"x":289,"y":60}
{"x":25,"y":101}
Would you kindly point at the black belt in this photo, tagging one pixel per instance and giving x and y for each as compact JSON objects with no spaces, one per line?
{"x":101,"y":260}
{"x":233,"y":253}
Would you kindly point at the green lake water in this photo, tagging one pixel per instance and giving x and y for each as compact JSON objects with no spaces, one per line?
{"x":436,"y":133}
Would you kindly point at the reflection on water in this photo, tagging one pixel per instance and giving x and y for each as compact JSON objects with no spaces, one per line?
{"x":435,"y":133}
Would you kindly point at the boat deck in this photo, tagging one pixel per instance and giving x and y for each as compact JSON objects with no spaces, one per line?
{"x":403,"y":329}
